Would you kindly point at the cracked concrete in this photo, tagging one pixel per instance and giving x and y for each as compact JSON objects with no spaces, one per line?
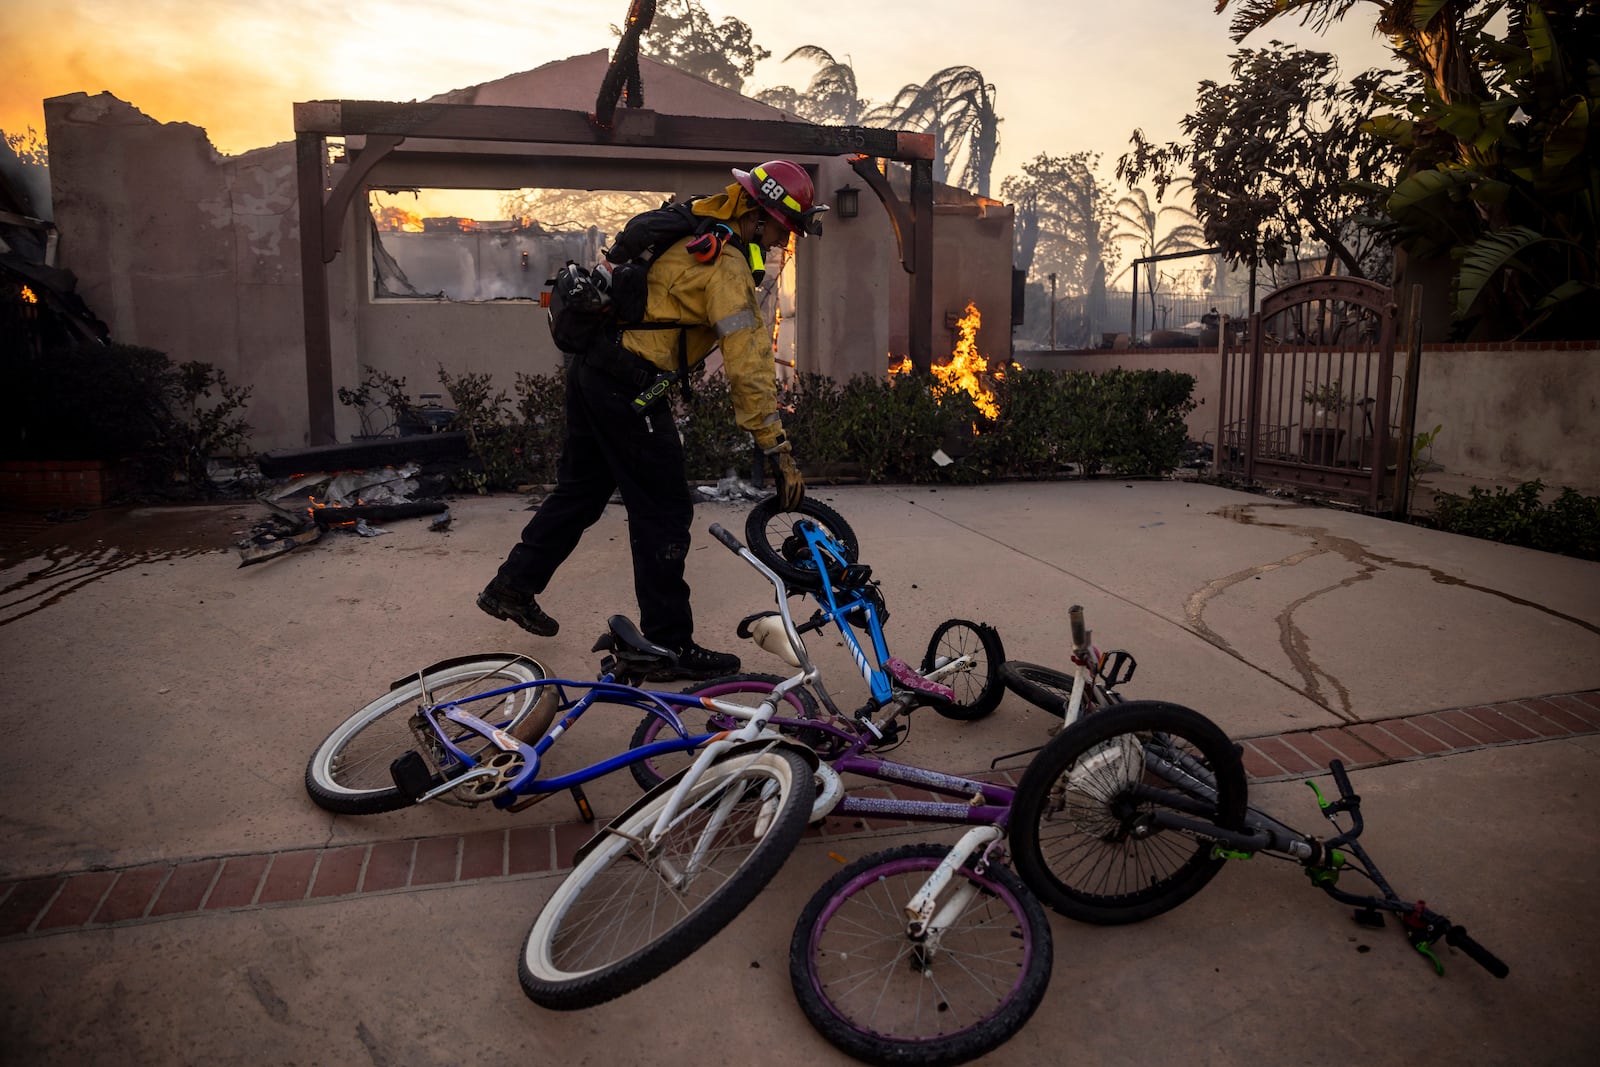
{"x":162,"y":703}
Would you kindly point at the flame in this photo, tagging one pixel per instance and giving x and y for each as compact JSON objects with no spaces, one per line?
{"x":28,"y":296}
{"x":393,"y":219}
{"x":966,"y":368}
{"x":316,"y":505}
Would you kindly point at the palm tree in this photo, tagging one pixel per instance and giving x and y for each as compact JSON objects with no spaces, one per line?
{"x":1139,"y":221}
{"x":832,"y":94}
{"x":957,"y":106}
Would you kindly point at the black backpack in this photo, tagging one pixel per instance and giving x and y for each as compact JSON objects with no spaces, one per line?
{"x":585,"y":306}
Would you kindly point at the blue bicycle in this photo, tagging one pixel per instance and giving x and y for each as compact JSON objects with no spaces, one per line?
{"x":655,"y":883}
{"x":815,"y":552}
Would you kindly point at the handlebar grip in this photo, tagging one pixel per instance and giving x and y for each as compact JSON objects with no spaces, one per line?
{"x":1340,"y":778}
{"x":1457,"y":936}
{"x":1080,"y":637}
{"x":733,"y":543}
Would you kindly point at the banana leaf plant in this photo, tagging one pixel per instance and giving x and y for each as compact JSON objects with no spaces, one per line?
{"x":1505,"y":178}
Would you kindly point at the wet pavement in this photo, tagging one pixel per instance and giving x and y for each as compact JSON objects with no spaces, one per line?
{"x":164,"y":700}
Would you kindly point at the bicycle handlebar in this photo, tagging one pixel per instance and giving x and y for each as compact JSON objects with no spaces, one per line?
{"x":1341,"y":779}
{"x":1457,"y":936}
{"x":734,"y":544}
{"x":1080,"y":636}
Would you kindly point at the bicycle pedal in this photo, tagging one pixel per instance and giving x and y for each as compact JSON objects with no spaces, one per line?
{"x":411,"y":775}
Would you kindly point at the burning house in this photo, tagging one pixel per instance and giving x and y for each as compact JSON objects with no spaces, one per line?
{"x":201,"y":255}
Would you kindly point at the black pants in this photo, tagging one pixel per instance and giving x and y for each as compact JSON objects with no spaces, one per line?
{"x":608,"y":446}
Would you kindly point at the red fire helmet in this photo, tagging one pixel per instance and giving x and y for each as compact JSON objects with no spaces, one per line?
{"x":784,"y":191}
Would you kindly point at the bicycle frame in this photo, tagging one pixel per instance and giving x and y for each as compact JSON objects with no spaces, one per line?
{"x":828,"y":556}
{"x":985,"y":806}
{"x":526,"y":786}
{"x":1323,"y":860}
{"x":606,"y":690}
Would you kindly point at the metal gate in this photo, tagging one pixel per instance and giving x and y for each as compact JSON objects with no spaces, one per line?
{"x":1309,"y":393}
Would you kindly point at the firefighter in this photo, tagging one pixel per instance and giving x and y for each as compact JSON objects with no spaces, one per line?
{"x":620,"y":433}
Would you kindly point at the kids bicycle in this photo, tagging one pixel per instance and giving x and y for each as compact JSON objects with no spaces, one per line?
{"x":814,"y":551}
{"x":1130,"y":811}
{"x":661,"y":878}
{"x":923,"y":953}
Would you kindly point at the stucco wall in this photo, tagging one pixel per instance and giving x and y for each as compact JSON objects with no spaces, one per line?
{"x":184,"y":250}
{"x":1509,"y":413}
{"x":196,"y":254}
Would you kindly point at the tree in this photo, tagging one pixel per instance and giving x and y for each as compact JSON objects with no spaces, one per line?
{"x":1501,"y":185}
{"x":1426,"y":33}
{"x":1139,"y":221}
{"x":577,"y":209}
{"x":956,"y":105}
{"x":830,"y":98}
{"x":1278,"y":162}
{"x":683,"y":34}
{"x":29,"y":148}
{"x":1064,"y":219}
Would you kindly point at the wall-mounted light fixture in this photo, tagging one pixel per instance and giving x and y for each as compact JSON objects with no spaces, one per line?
{"x":847,"y":202}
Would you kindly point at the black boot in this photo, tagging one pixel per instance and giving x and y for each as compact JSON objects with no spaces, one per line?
{"x":519,"y":608}
{"x":697,"y":664}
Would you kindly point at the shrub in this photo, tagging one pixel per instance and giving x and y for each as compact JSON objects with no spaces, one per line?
{"x":127,"y":403}
{"x":1569,"y":525}
{"x":495,"y":439}
{"x":890,"y":429}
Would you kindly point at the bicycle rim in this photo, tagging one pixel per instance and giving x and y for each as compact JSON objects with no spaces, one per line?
{"x":879,"y":996}
{"x":626,"y":914}
{"x":649,"y":773}
{"x":1080,"y":832}
{"x":977,"y":686}
{"x":349,"y":771}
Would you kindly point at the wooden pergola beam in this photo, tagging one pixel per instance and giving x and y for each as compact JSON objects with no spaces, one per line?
{"x":386,"y":125}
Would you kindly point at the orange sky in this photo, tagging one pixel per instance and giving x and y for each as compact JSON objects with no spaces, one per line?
{"x":1068,"y":77}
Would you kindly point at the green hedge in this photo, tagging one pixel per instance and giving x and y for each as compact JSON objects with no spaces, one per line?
{"x":896,"y":429}
{"x":1569,"y":524}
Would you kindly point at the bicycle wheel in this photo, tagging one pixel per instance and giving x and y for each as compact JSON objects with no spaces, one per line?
{"x":1081,"y":834}
{"x":649,"y":772}
{"x":628,"y":912}
{"x":884,"y":998}
{"x":1043,"y":687}
{"x":769,"y":531}
{"x":978,"y":686}
{"x":349,"y":772}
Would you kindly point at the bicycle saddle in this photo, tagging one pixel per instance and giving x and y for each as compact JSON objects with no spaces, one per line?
{"x":632,"y":647}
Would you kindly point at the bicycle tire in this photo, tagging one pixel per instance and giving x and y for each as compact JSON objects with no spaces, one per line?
{"x":606,"y":930}
{"x":1043,"y":687}
{"x":348,"y":774}
{"x":765,"y":532}
{"x":650,"y":773}
{"x":1075,"y":811}
{"x":855,"y":974}
{"x":974,"y":698}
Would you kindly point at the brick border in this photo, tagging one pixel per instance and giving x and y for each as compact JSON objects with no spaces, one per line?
{"x":1280,"y":757}
{"x":96,"y":899}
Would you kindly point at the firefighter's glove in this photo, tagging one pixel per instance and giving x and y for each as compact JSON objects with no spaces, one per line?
{"x":708,"y":246}
{"x":786,"y":478}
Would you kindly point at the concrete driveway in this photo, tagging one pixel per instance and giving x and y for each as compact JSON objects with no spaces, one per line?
{"x":168,"y":894}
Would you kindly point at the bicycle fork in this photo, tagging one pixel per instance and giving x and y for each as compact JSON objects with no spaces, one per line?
{"x":928,"y":917}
